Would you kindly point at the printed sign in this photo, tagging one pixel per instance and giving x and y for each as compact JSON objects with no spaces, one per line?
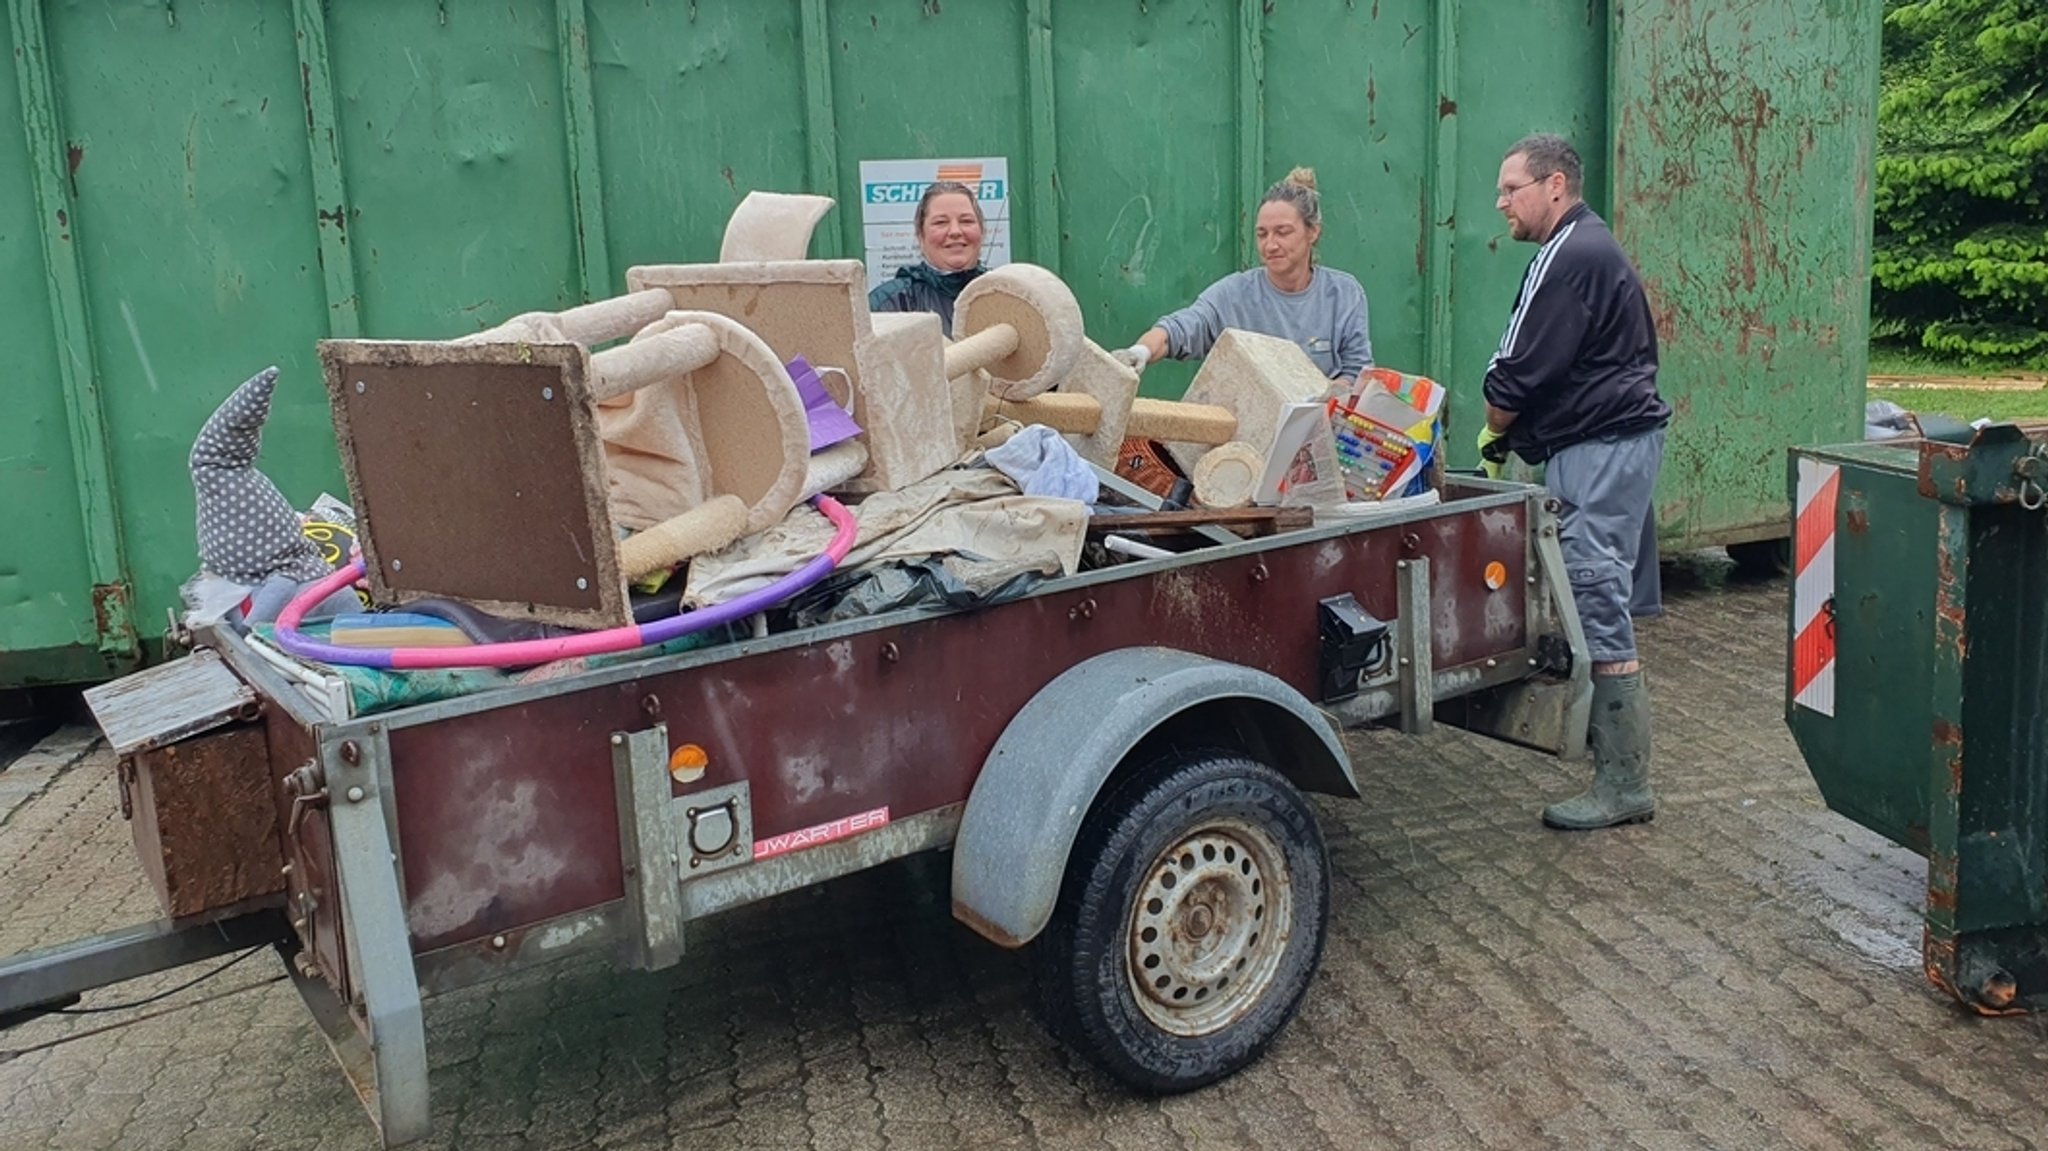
{"x":890,"y":189}
{"x":843,"y":828}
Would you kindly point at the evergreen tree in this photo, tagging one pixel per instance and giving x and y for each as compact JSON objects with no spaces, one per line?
{"x":1960,"y":265}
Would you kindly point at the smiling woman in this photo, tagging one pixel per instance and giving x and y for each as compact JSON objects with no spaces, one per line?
{"x":1291,"y":296}
{"x":949,"y":234}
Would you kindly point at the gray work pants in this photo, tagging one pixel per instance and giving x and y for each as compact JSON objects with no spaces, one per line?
{"x":1605,"y":485}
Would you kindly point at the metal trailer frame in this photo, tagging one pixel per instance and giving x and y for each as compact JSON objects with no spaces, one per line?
{"x":367,"y":942}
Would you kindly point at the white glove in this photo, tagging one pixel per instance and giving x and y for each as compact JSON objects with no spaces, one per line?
{"x":1134,"y":357}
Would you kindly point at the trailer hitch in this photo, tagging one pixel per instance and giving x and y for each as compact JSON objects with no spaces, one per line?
{"x":36,"y":983}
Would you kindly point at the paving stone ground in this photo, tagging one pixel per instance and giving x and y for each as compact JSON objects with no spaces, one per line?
{"x":1743,"y":973}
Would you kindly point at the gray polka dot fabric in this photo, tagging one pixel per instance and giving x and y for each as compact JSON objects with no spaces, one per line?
{"x":247,"y":529}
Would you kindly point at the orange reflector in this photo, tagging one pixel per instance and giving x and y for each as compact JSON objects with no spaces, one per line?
{"x":687,"y":763}
{"x":1496,"y":575}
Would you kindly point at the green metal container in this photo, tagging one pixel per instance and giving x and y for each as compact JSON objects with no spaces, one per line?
{"x":1919,"y":659}
{"x":1744,"y":141}
{"x":193,"y":189}
{"x":1864,"y":734}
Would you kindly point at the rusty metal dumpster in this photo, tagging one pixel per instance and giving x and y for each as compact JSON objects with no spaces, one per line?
{"x":1918,"y":659}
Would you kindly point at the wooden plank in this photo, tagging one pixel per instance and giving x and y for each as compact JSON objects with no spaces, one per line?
{"x":170,"y":702}
{"x":205,"y":822}
{"x":1257,"y":521}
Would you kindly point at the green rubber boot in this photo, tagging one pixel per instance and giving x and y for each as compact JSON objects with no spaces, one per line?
{"x":1619,"y":736}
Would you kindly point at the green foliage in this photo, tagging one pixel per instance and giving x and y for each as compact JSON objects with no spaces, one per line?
{"x":1960,"y":265}
{"x":1915,"y":362}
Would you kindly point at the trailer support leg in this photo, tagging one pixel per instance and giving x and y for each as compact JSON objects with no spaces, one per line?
{"x":648,"y":844}
{"x":1411,"y":647}
{"x":381,"y":1041}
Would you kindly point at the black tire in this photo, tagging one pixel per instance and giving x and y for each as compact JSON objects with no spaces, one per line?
{"x":1762,"y":559}
{"x":1220,"y":859}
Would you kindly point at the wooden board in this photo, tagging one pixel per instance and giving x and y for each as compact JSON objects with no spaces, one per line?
{"x":1246,"y":521}
{"x":169,"y":702}
{"x":477,"y":475}
{"x":204,"y":821}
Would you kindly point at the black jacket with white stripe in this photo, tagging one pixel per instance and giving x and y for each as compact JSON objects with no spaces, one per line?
{"x":1579,"y":358}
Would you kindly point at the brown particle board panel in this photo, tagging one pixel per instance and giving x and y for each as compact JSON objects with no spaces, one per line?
{"x":477,"y":475}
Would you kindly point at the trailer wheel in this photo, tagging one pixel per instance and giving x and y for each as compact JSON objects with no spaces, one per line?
{"x":1189,"y":922}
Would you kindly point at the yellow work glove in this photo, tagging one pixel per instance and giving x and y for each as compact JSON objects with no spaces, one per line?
{"x":1493,"y":451}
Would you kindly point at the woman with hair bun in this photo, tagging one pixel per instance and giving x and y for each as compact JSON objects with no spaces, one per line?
{"x":1291,"y":296}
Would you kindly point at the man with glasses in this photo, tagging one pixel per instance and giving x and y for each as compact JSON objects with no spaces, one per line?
{"x":1574,"y":387}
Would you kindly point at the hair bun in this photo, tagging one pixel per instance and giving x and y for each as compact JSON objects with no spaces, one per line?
{"x":1303,"y":178}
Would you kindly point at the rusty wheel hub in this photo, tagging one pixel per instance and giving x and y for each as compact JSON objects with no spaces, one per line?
{"x":1209,"y":927}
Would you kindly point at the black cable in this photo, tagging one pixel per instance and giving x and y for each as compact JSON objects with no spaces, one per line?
{"x":8,"y":1055}
{"x":193,"y":982}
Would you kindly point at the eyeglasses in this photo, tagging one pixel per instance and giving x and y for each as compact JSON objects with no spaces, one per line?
{"x":1509,"y":193}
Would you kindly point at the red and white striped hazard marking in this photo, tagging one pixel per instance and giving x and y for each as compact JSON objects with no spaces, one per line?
{"x":1813,"y":587}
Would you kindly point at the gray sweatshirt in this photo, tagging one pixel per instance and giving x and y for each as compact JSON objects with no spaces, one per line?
{"x":1327,"y":318}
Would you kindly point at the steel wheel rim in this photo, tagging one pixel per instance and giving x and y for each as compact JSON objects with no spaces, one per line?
{"x":1208,"y":928}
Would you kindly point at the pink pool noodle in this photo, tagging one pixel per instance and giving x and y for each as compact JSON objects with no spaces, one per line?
{"x":526,"y":653}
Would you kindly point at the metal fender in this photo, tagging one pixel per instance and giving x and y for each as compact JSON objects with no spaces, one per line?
{"x":1057,"y":753}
